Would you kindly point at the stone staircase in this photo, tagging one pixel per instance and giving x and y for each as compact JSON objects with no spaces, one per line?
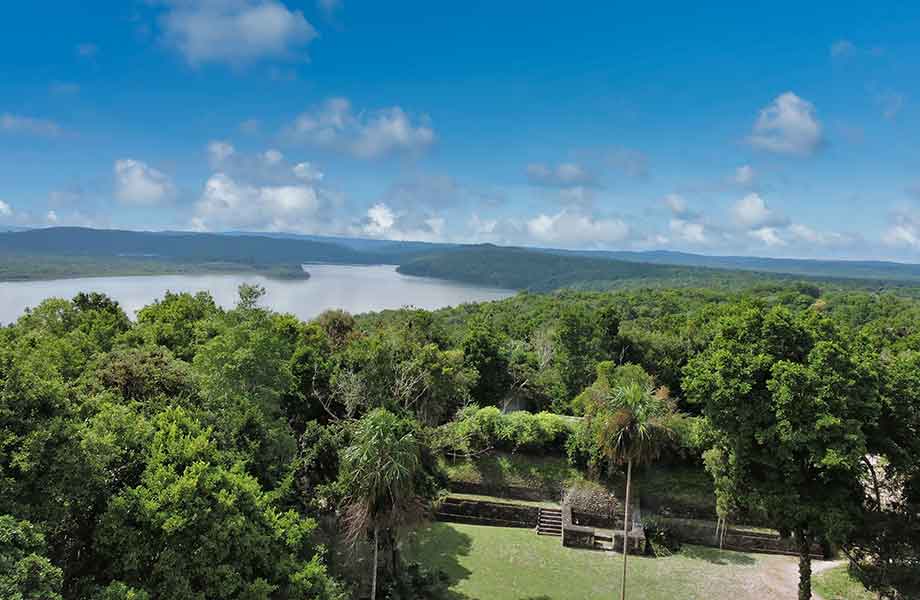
{"x":549,"y":522}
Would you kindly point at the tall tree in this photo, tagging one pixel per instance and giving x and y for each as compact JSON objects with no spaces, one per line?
{"x":791,"y":407}
{"x":384,"y":480}
{"x":633,"y":427}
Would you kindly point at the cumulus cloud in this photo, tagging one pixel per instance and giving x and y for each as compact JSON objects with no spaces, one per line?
{"x":229,"y":204}
{"x":51,"y":217}
{"x":744,"y":175}
{"x":688,"y":231}
{"x":562,"y":175}
{"x":381,"y":221}
{"x":904,"y":231}
{"x":307,"y":171}
{"x":218,"y":152}
{"x":370,"y":134}
{"x":138,"y":183}
{"x":5,"y":209}
{"x":768,"y":235}
{"x":575,"y":229}
{"x":788,"y":125}
{"x":676,"y":204}
{"x":752,"y":212}
{"x":272,"y":157}
{"x":235,"y":32}
{"x":11,"y":123}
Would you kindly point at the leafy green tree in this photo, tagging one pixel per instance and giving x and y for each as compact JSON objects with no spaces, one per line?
{"x":575,"y":351}
{"x":199,"y":527}
{"x":177,"y":322}
{"x":482,"y":351}
{"x":244,"y":374}
{"x":25,"y":573}
{"x":791,"y":406}
{"x":633,"y":426}
{"x":385,"y":481}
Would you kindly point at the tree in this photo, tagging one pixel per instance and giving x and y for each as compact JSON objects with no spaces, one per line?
{"x":791,"y":406}
{"x":383,"y":474}
{"x":25,"y":573}
{"x":199,"y":527}
{"x":482,"y":350}
{"x":575,"y":350}
{"x":176,"y":322}
{"x":633,"y":427}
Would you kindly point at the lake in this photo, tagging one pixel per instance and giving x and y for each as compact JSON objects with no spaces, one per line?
{"x":355,"y":289}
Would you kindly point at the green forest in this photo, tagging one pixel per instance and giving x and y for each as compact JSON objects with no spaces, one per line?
{"x":200,"y":453}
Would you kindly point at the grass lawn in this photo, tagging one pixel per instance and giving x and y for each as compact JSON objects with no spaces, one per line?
{"x":489,"y":563}
{"x":836,"y":584}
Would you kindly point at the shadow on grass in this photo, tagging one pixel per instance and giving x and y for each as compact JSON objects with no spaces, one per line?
{"x":439,"y":546}
{"x":716,"y":556}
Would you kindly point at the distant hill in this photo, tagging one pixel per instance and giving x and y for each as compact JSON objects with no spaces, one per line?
{"x":541,"y":270}
{"x":858,"y":269}
{"x":75,"y":251}
{"x":248,"y":249}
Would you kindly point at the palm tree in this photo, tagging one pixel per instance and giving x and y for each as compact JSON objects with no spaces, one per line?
{"x":634,"y":428}
{"x":380,"y":471}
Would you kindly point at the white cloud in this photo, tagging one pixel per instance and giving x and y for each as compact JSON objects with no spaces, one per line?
{"x":5,"y":209}
{"x":234,"y":31}
{"x":272,"y":157}
{"x":562,"y":175}
{"x":788,"y":125}
{"x":571,"y":228}
{"x":744,"y":175}
{"x":369,"y":134}
{"x":51,"y":217}
{"x":308,"y":172}
{"x":381,"y":221}
{"x":904,"y":230}
{"x":219,"y":151}
{"x":767,"y":235}
{"x":19,"y":124}
{"x":805,"y":234}
{"x":676,"y":203}
{"x":752,"y":212}
{"x":138,"y":183}
{"x":688,"y":231}
{"x":228,"y":204}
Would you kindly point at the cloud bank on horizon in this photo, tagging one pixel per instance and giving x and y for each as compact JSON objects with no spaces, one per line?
{"x":628,"y":130}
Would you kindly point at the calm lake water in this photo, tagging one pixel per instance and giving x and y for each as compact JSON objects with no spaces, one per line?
{"x":355,"y":289}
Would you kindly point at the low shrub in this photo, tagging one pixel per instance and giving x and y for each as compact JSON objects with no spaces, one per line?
{"x":477,"y":429}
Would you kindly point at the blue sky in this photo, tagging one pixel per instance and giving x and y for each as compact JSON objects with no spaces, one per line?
{"x":783,"y":129}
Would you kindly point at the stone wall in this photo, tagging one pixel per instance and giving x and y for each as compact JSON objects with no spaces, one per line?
{"x":482,"y":512}
{"x":573,"y":535}
{"x":703,"y":533}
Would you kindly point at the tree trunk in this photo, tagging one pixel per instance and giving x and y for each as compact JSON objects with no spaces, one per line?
{"x":374,"y":575}
{"x":804,"y":565}
{"x":626,"y":526}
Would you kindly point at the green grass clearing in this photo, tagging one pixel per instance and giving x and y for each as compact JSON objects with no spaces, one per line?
{"x":838,"y":584}
{"x":488,"y":563}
